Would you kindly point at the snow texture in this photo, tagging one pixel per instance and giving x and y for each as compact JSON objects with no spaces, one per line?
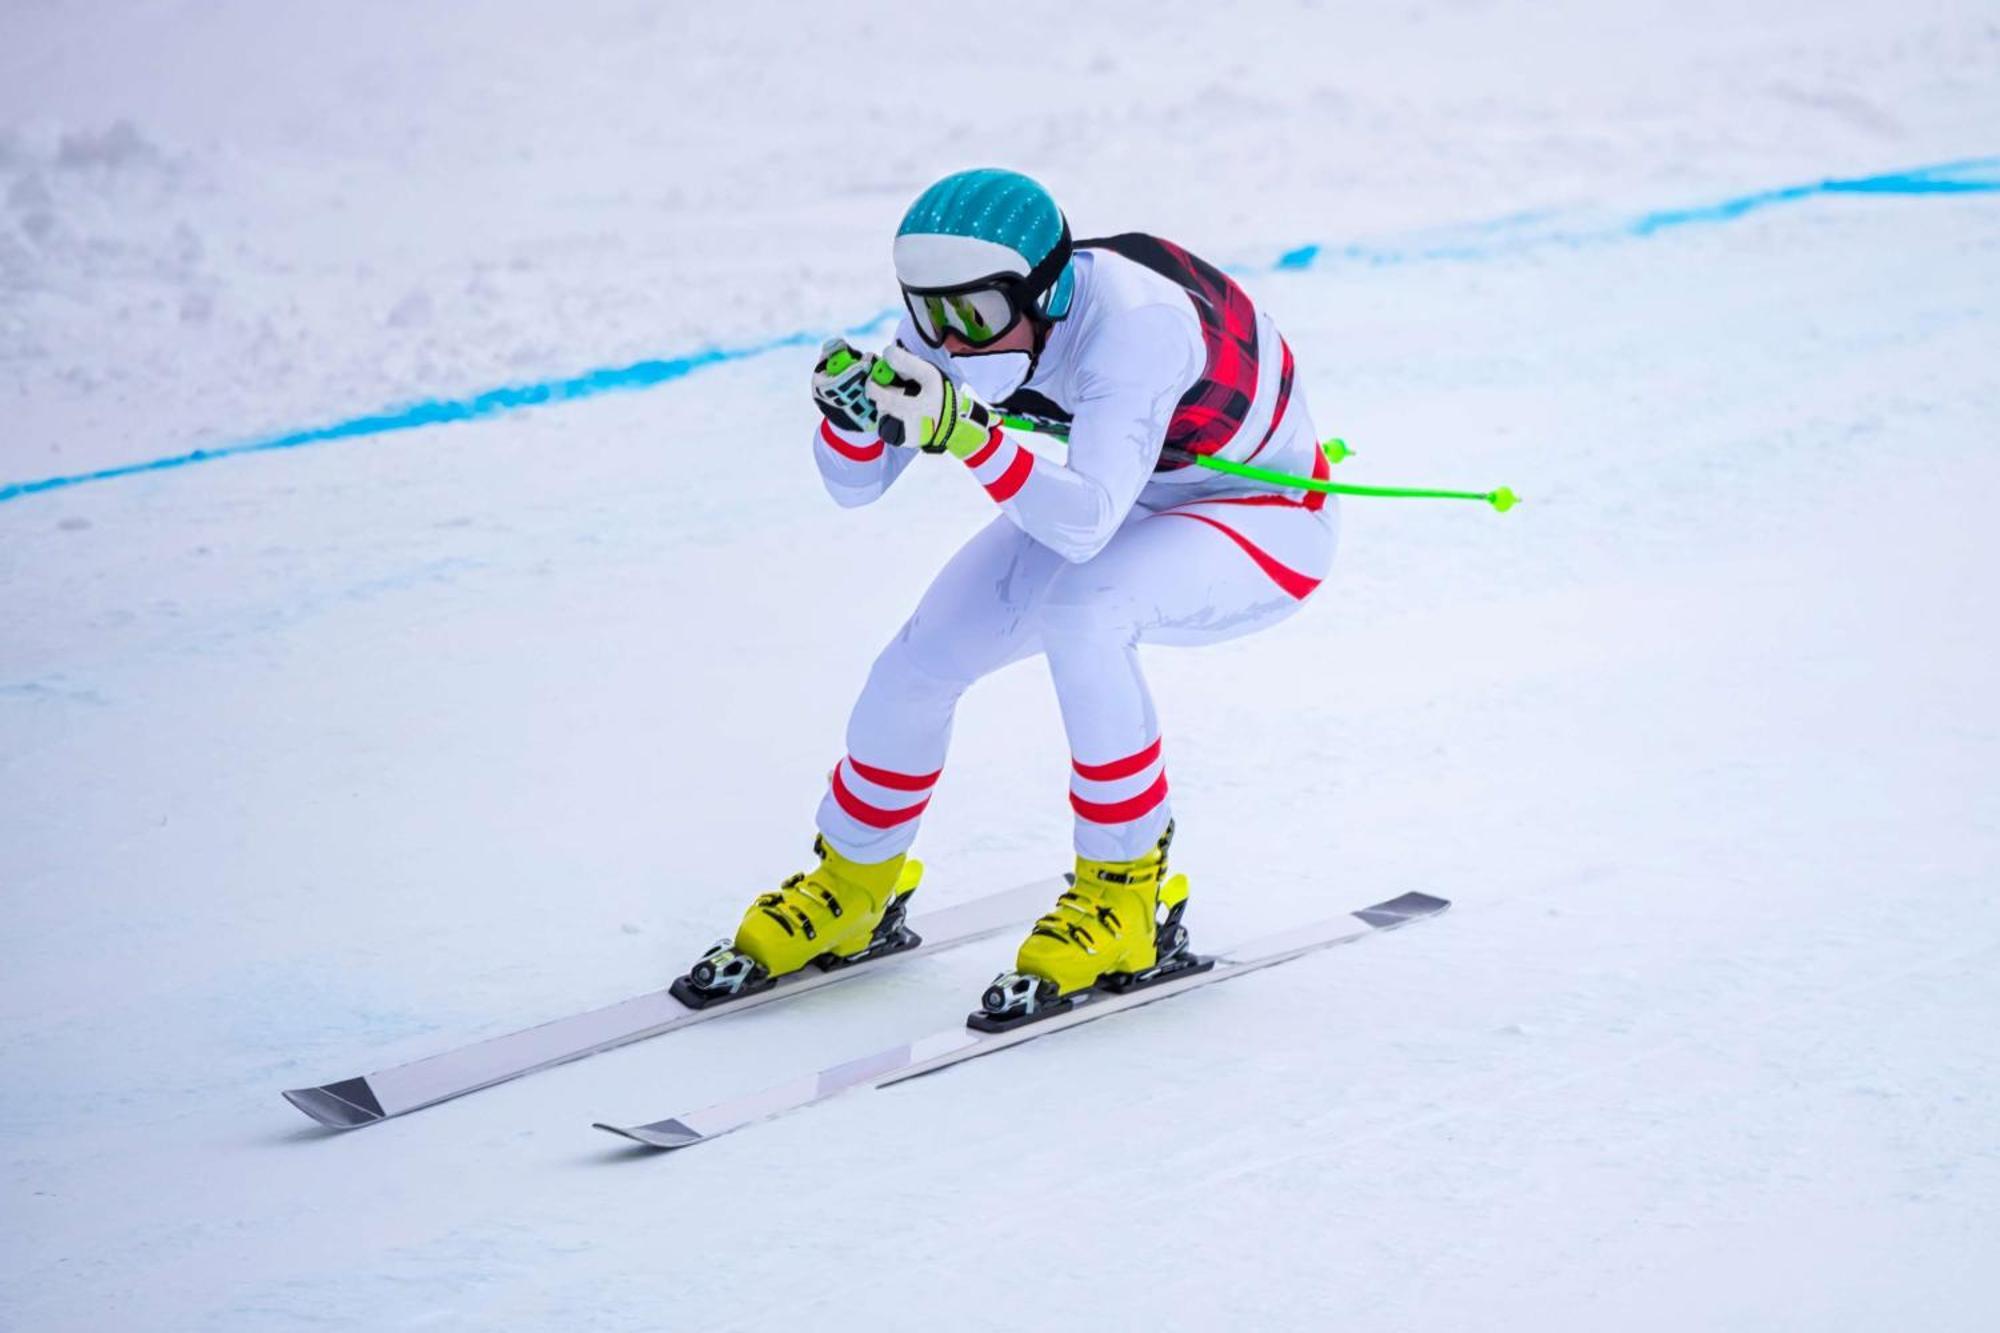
{"x":318,"y":758}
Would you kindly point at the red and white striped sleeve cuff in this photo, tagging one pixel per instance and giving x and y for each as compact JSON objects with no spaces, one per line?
{"x":1001,"y":466}
{"x":853,"y":446}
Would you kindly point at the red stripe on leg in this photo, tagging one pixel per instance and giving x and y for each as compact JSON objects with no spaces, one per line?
{"x":894,"y":781}
{"x":1118,"y":768}
{"x":1294,"y":583}
{"x":1266,"y":500}
{"x":1121,"y":812}
{"x":874,"y":816}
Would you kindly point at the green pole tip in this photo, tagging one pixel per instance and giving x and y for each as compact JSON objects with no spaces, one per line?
{"x":1336,"y":449}
{"x":1503,"y":499}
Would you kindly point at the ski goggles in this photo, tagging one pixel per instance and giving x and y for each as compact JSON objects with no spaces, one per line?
{"x":980,"y":313}
{"x":983,"y":310}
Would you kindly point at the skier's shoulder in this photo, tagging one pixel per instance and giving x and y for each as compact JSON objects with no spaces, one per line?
{"x":1120,"y":278}
{"x":1130,"y":312}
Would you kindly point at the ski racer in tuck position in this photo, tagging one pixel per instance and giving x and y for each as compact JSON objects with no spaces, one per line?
{"x":1149,"y":357}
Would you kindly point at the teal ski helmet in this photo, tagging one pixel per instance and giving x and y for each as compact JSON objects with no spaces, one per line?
{"x":978,"y":250}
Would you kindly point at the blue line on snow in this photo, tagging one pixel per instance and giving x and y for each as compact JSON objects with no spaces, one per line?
{"x":435,"y":411}
{"x":1969,"y":176}
{"x":1512,"y":235}
{"x":1946,"y":178}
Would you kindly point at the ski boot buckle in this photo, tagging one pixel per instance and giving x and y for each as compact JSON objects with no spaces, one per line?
{"x":891,"y":935}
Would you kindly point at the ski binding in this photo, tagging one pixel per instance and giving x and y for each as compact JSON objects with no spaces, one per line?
{"x":1018,"y":998}
{"x":722,"y":974}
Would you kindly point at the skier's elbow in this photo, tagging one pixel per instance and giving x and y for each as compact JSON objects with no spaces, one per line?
{"x":1084,"y":540}
{"x":1081,"y":552}
{"x":852,"y":497}
{"x":1079,"y":545}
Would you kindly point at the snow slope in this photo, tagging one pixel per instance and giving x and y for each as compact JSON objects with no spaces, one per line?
{"x":318,"y":759}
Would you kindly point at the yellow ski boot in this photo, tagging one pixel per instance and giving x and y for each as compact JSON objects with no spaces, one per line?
{"x":1116,"y":928}
{"x":839,"y":913}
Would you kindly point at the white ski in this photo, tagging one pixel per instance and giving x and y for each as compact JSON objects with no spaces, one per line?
{"x":363,"y":1100}
{"x":941,"y":1050}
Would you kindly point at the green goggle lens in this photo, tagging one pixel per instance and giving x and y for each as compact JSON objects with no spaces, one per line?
{"x":978,"y":316}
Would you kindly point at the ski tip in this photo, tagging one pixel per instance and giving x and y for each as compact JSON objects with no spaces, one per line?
{"x":665,"y":1135}
{"x":1398,"y":911}
{"x":348,"y":1104}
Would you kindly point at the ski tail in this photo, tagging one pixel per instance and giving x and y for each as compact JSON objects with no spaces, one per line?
{"x":348,"y":1104}
{"x":665,"y":1135}
{"x":1401,"y":911}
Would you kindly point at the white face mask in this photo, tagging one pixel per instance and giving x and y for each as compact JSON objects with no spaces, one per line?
{"x":994,"y":376}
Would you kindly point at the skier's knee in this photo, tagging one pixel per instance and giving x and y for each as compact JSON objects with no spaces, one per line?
{"x":1079,"y":608}
{"x":913,"y":665}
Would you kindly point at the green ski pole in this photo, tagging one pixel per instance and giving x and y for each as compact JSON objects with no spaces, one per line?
{"x":1335,"y":450}
{"x":1502,"y":499}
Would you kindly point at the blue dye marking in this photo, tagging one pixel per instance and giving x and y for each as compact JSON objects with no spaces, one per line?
{"x":1979,"y":175}
{"x":1725,"y":211}
{"x":438,"y":411}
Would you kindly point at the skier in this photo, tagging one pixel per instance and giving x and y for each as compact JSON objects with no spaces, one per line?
{"x":1150,"y":357}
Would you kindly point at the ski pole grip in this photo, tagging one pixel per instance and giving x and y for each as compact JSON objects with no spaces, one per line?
{"x":884,"y":374}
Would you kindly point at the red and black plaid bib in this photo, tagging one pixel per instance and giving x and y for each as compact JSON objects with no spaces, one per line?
{"x":1213,"y":409}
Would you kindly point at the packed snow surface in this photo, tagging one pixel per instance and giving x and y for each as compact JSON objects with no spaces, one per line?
{"x":320,"y":758}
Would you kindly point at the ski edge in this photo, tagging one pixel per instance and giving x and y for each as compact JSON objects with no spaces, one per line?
{"x":953,"y":1046}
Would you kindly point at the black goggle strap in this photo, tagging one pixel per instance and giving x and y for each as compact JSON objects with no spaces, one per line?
{"x":1043,"y":275}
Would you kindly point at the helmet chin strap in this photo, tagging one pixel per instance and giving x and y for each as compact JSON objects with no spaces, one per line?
{"x":1042,"y":328}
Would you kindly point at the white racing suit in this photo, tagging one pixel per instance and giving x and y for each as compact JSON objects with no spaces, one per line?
{"x":1126,"y":543}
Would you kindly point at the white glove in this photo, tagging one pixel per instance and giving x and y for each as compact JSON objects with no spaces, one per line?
{"x":919,"y":406}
